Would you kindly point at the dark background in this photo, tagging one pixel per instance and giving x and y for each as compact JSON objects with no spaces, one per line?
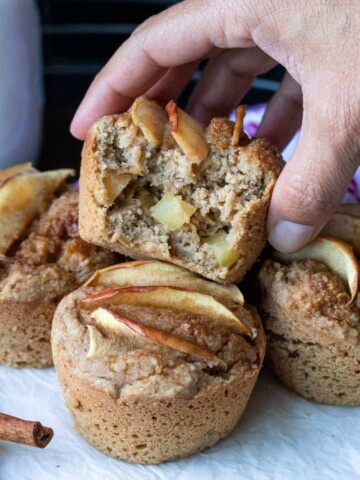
{"x":78,"y":38}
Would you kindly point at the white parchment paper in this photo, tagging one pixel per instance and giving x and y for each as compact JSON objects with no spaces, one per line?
{"x":281,"y":436}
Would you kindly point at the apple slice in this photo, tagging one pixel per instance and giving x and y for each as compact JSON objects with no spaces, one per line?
{"x":20,"y":169}
{"x":159,"y":296}
{"x":126,"y":273}
{"x":22,"y":197}
{"x":155,"y":335}
{"x":346,"y":227}
{"x":107,"y":190}
{"x":350,"y":209}
{"x":99,"y":346}
{"x":172,"y":211}
{"x":338,"y":256}
{"x":222,"y":250}
{"x":188,"y":133}
{"x":151,"y":118}
{"x":150,"y":272}
{"x":239,"y":125}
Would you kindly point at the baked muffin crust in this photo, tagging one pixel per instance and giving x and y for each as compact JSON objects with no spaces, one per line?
{"x":46,"y":263}
{"x":170,"y":402}
{"x":312,"y":331}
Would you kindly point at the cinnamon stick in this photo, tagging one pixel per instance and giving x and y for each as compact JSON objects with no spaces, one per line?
{"x":17,"y":430}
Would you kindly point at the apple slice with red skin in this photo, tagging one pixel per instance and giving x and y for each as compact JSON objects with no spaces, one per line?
{"x":113,"y":274}
{"x":337,"y":255}
{"x":180,"y":299}
{"x":346,"y":227}
{"x":188,"y":133}
{"x":150,"y":272}
{"x":154,"y":335}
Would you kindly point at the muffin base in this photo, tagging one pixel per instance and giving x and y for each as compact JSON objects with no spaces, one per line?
{"x":25,"y":330}
{"x":150,"y":431}
{"x":314,"y":371}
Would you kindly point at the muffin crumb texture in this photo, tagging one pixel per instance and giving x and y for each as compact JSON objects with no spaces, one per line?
{"x":229,"y":193}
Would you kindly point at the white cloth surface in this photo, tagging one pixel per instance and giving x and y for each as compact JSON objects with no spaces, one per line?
{"x":280,"y":437}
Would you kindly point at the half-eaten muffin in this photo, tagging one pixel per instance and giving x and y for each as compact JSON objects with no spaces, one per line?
{"x":158,"y":184}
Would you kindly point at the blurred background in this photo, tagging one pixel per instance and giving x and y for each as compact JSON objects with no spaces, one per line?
{"x":77,"y":38}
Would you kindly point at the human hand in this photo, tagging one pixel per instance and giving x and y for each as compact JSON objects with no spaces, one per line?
{"x":316,"y":41}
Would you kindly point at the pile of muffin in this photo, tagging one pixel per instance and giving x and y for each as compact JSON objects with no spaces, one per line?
{"x":158,"y":356}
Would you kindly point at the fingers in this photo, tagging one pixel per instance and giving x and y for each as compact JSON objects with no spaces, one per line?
{"x":314,"y":181}
{"x":283,"y":114}
{"x":225,"y":80}
{"x":173,"y":82}
{"x":180,"y":35}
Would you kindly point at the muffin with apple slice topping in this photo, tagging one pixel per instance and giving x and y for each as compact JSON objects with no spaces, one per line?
{"x":42,"y":258}
{"x":156,"y":363}
{"x":311,"y":313}
{"x":157,"y":184}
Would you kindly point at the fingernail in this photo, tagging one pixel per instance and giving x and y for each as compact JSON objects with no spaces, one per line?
{"x":288,"y":237}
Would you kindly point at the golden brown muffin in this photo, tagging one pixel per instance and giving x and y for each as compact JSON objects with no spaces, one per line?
{"x":313,"y":343}
{"x":174,"y":190}
{"x":42,"y":259}
{"x":155,"y":362}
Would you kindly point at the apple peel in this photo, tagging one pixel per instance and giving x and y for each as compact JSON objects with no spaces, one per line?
{"x":337,"y":255}
{"x":239,"y":125}
{"x":150,"y":272}
{"x":179,"y":299}
{"x":188,"y":133}
{"x":162,"y":338}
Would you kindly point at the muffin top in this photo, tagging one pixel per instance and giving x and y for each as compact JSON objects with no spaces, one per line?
{"x":156,"y":339}
{"x":305,"y":301}
{"x":43,"y":256}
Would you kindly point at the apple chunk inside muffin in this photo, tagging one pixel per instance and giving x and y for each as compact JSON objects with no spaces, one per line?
{"x":167,"y":187}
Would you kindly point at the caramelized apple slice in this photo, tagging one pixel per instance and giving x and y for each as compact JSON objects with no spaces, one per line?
{"x":111,"y":317}
{"x":22,"y":198}
{"x":335,"y":254}
{"x":172,"y":212}
{"x":150,"y":272}
{"x":188,"y":133}
{"x":346,"y":227}
{"x":110,"y":188}
{"x":222,"y":250}
{"x":169,"y":297}
{"x":239,"y":125}
{"x":151,"y":118}
{"x":20,"y":169}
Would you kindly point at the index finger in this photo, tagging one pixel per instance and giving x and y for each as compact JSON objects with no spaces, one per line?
{"x":182,"y":34}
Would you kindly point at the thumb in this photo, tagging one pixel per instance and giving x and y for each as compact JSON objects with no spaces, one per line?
{"x":314,"y":181}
